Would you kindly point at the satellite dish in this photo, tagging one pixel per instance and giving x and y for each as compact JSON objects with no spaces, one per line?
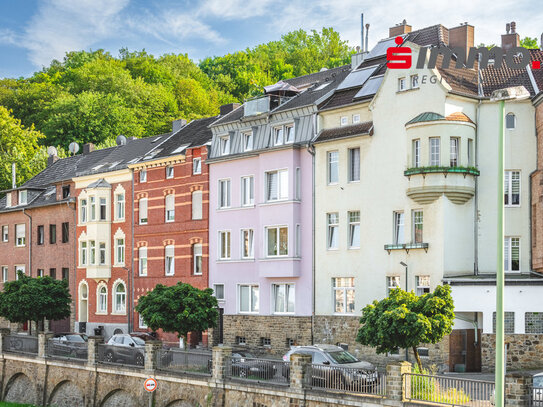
{"x":121,"y":140}
{"x":73,"y":147}
{"x":52,"y":150}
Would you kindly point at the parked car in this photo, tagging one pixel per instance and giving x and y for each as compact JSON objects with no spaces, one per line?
{"x":244,"y":365}
{"x":69,"y":344}
{"x":129,"y":349}
{"x":336,"y":368}
{"x":146,"y":337}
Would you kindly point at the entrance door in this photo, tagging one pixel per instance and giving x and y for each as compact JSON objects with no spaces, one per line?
{"x":60,"y":326}
{"x":464,"y":351}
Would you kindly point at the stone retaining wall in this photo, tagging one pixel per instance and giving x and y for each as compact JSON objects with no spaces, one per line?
{"x":524,"y":351}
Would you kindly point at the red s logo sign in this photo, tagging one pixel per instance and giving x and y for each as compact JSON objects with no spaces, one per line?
{"x":399,"y":57}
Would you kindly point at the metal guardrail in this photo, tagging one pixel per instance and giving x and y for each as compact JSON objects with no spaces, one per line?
{"x":184,"y":361}
{"x":121,"y":355}
{"x":66,"y":350}
{"x":348,"y":379}
{"x":536,"y":396}
{"x":20,"y":344}
{"x":268,"y":371}
{"x":447,"y":390}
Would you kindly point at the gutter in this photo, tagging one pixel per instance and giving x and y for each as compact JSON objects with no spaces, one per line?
{"x":29,"y":242}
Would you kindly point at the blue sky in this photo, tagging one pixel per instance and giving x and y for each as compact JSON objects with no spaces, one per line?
{"x":33,"y":32}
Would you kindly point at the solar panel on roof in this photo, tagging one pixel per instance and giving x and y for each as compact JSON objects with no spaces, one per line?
{"x":381,"y":48}
{"x":357,"y":78}
{"x":370,"y":87}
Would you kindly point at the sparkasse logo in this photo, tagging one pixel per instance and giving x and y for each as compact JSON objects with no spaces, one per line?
{"x":515,"y":58}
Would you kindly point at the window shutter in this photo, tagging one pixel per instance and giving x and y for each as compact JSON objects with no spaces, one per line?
{"x":20,"y":231}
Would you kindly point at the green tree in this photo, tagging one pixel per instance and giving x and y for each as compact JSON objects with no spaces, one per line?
{"x":530,"y":43}
{"x":35,"y":299}
{"x":405,"y":320}
{"x":179,"y":309}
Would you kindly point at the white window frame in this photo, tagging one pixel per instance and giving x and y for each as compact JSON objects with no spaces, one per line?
{"x":141,"y":322}
{"x":399,"y":227}
{"x":287,"y":133}
{"x":8,"y":200}
{"x":92,"y":252}
{"x":228,"y":245}
{"x":356,"y":118}
{"x":417,"y":218}
{"x":414,"y":81}
{"x":196,"y":165}
{"x":416,"y":153}
{"x":224,"y":145}
{"x":169,"y":260}
{"x":224,"y":193}
{"x":507,"y":255}
{"x":251,"y":240}
{"x":99,"y":303}
{"x":143,"y":176}
{"x":5,"y":233}
{"x":215,"y":291}
{"x":247,"y":190}
{"x":119,"y":206}
{"x":23,"y":197}
{"x":435,"y":151}
{"x":252,"y":308}
{"x":330,"y":162}
{"x":509,"y":177}
{"x":142,"y":261}
{"x":83,"y":253}
{"x":278,"y":135}
{"x":119,"y":307}
{"x":102,"y":253}
{"x":197,"y":205}
{"x":392,"y":283}
{"x":342,"y":290}
{"x":353,"y":224}
{"x":454,"y":159}
{"x":5,"y":274}
{"x":282,"y":185}
{"x":248,"y":140}
{"x":92,"y":208}
{"x":20,"y":238}
{"x":343,"y":121}
{"x":197,"y":259}
{"x":102,"y":203}
{"x":169,"y":172}
{"x":277,"y":242}
{"x":143,"y":220}
{"x":119,"y":251}
{"x":332,"y":230}
{"x":354,"y":174}
{"x":287,"y":287}
{"x":19,"y":267}
{"x":402,"y":84}
{"x":169,"y":208}
{"x":421,"y":286}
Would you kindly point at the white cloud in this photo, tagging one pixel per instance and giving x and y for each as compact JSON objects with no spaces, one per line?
{"x":235,"y":9}
{"x":7,"y":37}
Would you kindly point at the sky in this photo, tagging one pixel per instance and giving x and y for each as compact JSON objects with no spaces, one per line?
{"x":34,"y":32}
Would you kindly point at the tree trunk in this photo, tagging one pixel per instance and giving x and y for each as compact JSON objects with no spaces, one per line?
{"x":417,"y":358}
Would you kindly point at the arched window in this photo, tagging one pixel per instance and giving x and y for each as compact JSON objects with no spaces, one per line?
{"x":102,"y":299}
{"x":510,"y":121}
{"x":120,"y":298}
{"x":83,"y":301}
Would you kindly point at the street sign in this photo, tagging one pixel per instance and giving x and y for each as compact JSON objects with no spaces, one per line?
{"x":150,"y":385}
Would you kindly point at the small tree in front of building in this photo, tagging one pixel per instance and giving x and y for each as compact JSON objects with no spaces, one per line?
{"x":405,"y":320}
{"x":35,"y":299}
{"x":179,"y":309}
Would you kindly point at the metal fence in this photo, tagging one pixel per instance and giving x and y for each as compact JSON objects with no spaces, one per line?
{"x":447,"y":390}
{"x":348,"y":379}
{"x":536,"y":396}
{"x":20,"y":344}
{"x":259,"y":370}
{"x":121,"y":355}
{"x":184,"y":361}
{"x":58,"y":349}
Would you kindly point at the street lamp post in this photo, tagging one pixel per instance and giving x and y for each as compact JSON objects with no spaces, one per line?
{"x":501,"y":95}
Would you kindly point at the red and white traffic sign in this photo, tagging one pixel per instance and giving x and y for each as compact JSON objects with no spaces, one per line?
{"x":150,"y":384}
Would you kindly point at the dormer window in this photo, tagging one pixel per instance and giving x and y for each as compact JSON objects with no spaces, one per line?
{"x":8,"y":199}
{"x":225,"y":145}
{"x":278,"y":136}
{"x":65,"y":191}
{"x":248,"y":141}
{"x":289,"y":134}
{"x":23,"y":197}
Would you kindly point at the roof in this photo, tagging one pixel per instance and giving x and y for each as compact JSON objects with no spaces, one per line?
{"x":432,"y":116}
{"x":537,"y":55}
{"x":345,"y":131}
{"x":101,"y":183}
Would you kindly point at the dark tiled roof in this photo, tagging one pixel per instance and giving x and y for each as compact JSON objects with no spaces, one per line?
{"x":321,"y":76}
{"x":340,"y":98}
{"x":233,"y":116}
{"x":537,"y":55}
{"x":435,"y":35}
{"x":345,"y":131}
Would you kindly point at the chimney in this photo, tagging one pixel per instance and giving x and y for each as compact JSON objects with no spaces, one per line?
{"x":462,"y":37}
{"x":511,"y":39}
{"x":88,"y":148}
{"x":367,"y":36}
{"x":178,"y":125}
{"x":399,"y":29}
{"x":13,"y":176}
{"x":51,"y":160}
{"x":225,"y":109}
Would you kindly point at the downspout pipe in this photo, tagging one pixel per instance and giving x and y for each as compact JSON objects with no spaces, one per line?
{"x":311,"y":150}
{"x":476,"y":198}
{"x":29,"y":242}
{"x":131,"y":271}
{"x":74,"y":239}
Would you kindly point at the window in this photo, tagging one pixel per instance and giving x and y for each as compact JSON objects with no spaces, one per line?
{"x":20,"y":235}
{"x":247,"y":244}
{"x":65,"y":232}
{"x":142,"y":323}
{"x":399,"y":228}
{"x":247,"y":191}
{"x":119,"y":199}
{"x":277,"y":241}
{"x":416,"y":153}
{"x":224,"y":245}
{"x":401,"y":84}
{"x":512,"y":188}
{"x":92,"y":208}
{"x":196,"y":165}
{"x":224,"y":193}
{"x":102,"y":208}
{"x":66,"y":274}
{"x":169,"y":260}
{"x":509,"y":322}
{"x":278,"y":136}
{"x":417,"y":227}
{"x":354,"y":164}
{"x":8,"y":199}
{"x":333,"y":157}
{"x":23,"y":197}
{"x":392,"y":283}
{"x":52,"y":234}
{"x":143,"y":176}
{"x":423,"y":284}
{"x":40,"y":273}
{"x":170,"y":208}
{"x":53,"y":273}
{"x":143,"y":211}
{"x":265,"y":341}
{"x":169,"y":171}
{"x":197,"y":205}
{"x":354,"y":229}
{"x":142,"y":263}
{"x":343,"y":121}
{"x":120,"y":298}
{"x":65,"y":191}
{"x":298,"y":242}
{"x":102,"y":299}
{"x":533,"y":322}
{"x":283,"y":298}
{"x":92,"y":249}
{"x":218,"y":290}
{"x":120,"y":251}
{"x":510,"y":121}
{"x":41,"y":235}
{"x":224,"y":143}
{"x":248,"y":141}
{"x":4,"y":274}
{"x":197,"y":259}
{"x":19,"y":269}
{"x":83,"y":253}
{"x":471,"y":156}
{"x":248,"y":298}
{"x":414,"y":81}
{"x":276,"y":185}
{"x":343,"y":288}
{"x":435,"y":160}
{"x":298,"y":186}
{"x":102,"y":253}
{"x":83,"y":211}
{"x":356,"y":118}
{"x":332,"y":220}
{"x":289,"y":134}
{"x":511,"y":256}
{"x":241,"y":340}
{"x":454,"y":151}
{"x":5,"y":233}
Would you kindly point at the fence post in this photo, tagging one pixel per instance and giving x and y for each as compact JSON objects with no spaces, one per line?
{"x":518,"y":389}
{"x":300,"y":371}
{"x":395,"y":385}
{"x":152,"y":354}
{"x":222,"y":358}
{"x":43,"y":337}
{"x":93,"y":351}
{"x":4,"y":332}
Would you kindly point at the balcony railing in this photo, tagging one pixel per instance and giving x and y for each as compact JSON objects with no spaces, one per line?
{"x":406,"y":246}
{"x":442,"y":170}
{"x":263,"y":104}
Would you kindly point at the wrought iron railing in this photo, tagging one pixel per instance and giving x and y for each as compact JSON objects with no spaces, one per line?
{"x":536,"y":396}
{"x":121,"y":355}
{"x":448,"y":390}
{"x":259,"y":370}
{"x":20,"y":344}
{"x":66,"y":350}
{"x":184,"y":361}
{"x":348,"y":379}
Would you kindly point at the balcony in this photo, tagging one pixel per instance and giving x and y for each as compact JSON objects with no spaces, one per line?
{"x":427,"y":184}
{"x":263,"y":104}
{"x":99,"y":272}
{"x":279,"y":267}
{"x":406,"y":247}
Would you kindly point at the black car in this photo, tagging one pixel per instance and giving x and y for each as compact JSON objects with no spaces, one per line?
{"x":69,"y":344}
{"x":245,"y":365}
{"x":130,"y":350}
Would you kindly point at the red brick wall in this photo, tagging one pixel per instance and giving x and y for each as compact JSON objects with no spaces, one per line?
{"x":537,"y":197}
